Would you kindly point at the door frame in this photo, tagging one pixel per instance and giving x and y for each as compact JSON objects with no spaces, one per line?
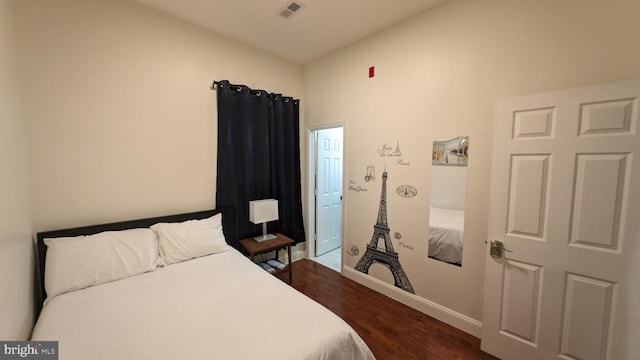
{"x":311,"y":185}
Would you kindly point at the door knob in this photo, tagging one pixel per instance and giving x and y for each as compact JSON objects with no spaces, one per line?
{"x":496,"y":248}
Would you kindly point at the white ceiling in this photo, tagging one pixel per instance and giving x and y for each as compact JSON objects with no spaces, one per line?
{"x":319,"y":28}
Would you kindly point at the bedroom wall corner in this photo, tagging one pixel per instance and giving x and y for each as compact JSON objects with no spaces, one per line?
{"x":16,"y":249}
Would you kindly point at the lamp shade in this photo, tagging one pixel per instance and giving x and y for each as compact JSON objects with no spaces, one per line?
{"x":261,"y":211}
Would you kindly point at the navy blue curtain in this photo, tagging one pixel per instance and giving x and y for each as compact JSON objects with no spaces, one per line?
{"x":259,"y":157}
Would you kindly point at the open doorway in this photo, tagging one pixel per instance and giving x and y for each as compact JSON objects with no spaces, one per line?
{"x":325,"y":196}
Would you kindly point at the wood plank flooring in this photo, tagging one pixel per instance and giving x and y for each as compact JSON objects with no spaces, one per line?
{"x":391,"y":329}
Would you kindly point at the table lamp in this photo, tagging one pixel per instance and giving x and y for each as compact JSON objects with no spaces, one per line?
{"x":261,"y":212}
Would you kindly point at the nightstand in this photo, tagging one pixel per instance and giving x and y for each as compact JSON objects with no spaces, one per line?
{"x":253,"y":248}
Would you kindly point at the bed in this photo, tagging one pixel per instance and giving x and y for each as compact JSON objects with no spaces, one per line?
{"x":216,"y":306}
{"x":446,"y":232}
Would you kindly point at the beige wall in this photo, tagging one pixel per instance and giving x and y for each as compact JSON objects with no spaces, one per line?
{"x":438,"y":76}
{"x":121,"y":121}
{"x":16,"y":254}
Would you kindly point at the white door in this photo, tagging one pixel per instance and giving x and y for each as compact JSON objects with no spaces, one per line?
{"x":329,"y":190}
{"x":565,"y":199}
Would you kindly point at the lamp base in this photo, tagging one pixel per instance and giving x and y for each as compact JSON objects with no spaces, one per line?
{"x":262,"y":238}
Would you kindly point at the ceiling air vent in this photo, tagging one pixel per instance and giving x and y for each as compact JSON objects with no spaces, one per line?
{"x":290,"y":9}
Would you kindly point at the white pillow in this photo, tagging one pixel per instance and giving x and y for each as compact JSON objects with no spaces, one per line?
{"x":78,"y":262}
{"x":190,"y":239}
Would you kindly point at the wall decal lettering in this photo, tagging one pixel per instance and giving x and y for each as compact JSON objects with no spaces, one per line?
{"x":406,"y":246}
{"x":353,"y":186}
{"x":387,"y":150}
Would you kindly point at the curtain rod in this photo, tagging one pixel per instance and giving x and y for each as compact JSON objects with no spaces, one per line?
{"x":216,"y":84}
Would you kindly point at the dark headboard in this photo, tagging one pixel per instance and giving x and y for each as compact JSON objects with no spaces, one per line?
{"x":228,"y":227}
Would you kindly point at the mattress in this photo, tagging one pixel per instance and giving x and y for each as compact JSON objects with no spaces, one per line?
{"x":446,"y":233}
{"x":220,"y":306}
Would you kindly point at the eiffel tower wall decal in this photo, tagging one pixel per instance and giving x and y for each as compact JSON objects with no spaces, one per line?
{"x":385,"y":256}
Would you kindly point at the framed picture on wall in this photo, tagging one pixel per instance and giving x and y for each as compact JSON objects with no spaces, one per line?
{"x":452,"y":152}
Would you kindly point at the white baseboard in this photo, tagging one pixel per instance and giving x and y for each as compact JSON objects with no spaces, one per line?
{"x":297,"y":254}
{"x":446,"y":315}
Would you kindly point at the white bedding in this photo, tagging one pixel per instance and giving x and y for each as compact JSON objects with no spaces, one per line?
{"x":446,"y":231}
{"x":220,"y":306}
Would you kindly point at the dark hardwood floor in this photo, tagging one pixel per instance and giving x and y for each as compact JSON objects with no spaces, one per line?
{"x":391,"y":329}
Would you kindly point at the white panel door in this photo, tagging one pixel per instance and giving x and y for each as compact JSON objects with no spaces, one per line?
{"x":565,"y":201}
{"x":329,"y":190}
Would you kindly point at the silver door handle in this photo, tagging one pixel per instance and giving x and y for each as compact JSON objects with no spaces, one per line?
{"x":496,"y":249}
